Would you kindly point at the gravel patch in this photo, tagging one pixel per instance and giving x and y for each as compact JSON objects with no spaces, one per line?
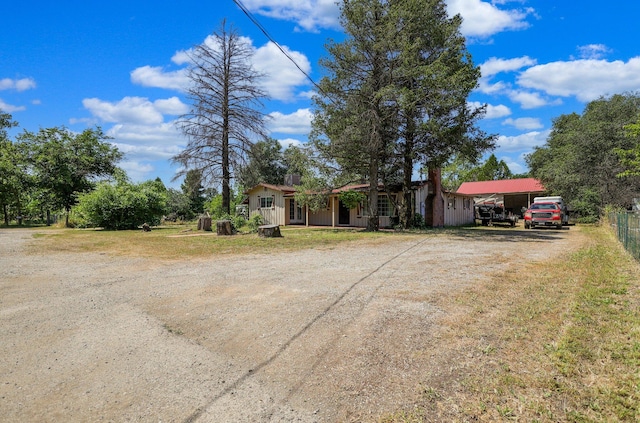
{"x":319,"y":335}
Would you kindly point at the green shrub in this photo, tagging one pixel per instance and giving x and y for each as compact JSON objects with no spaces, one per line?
{"x":255,"y":221}
{"x":123,"y":205}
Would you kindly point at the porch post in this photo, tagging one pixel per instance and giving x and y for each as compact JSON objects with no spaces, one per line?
{"x":333,"y":211}
{"x":306,"y":212}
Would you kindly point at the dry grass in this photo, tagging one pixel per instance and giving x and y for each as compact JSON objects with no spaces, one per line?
{"x":547,"y":342}
{"x":181,"y":242}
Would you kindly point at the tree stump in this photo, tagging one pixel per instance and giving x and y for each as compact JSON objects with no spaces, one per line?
{"x":223,"y":227}
{"x":204,"y":223}
{"x":269,"y":231}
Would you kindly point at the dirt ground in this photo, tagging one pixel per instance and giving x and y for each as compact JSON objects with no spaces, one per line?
{"x":322,"y":335}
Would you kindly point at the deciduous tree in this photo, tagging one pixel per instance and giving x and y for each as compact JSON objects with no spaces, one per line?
{"x":13,"y":177}
{"x":66,"y":164}
{"x":579,"y":160}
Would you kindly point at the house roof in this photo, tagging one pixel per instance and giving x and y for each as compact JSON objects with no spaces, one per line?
{"x":283,"y":188}
{"x":506,"y":186}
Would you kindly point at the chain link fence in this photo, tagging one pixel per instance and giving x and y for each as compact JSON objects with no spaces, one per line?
{"x":627,"y":227}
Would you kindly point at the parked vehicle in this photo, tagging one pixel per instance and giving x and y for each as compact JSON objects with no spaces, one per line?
{"x":490,"y":213}
{"x":561,"y":203}
{"x":544,"y":213}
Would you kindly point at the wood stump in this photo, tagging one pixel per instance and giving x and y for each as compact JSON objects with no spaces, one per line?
{"x":223,"y":227}
{"x":269,"y":231}
{"x":204,"y":223}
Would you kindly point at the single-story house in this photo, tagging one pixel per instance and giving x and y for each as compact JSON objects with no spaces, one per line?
{"x":277,"y":205}
{"x":513,"y":193}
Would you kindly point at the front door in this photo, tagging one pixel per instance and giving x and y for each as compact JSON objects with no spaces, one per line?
{"x":343,"y":214}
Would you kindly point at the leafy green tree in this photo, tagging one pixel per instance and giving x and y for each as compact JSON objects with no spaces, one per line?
{"x":215,"y":205}
{"x":580,"y":159}
{"x":66,"y":164}
{"x":490,"y":170}
{"x":123,"y":205}
{"x":14,"y":178}
{"x":630,"y":158}
{"x":178,"y":205}
{"x":194,"y":191}
{"x":224,"y":119}
{"x":266,"y":164}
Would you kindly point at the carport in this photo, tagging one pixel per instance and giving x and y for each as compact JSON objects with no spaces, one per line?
{"x":516,"y":193}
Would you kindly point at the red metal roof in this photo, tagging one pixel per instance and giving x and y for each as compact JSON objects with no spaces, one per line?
{"x":505,"y":186}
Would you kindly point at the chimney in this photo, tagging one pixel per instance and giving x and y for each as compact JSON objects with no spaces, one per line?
{"x":292,"y":180}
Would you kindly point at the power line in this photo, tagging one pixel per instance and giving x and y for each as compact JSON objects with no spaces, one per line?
{"x":270,"y":38}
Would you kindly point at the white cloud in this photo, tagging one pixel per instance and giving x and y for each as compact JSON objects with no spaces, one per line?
{"x":9,"y":108}
{"x":149,"y":76}
{"x":492,"y":112}
{"x":584,"y":79}
{"x":480,"y":18}
{"x":282,"y":76}
{"x":136,"y":170}
{"x":298,"y":122}
{"x":522,"y":142}
{"x":496,"y":65}
{"x":593,"y":51}
{"x":137,"y":110}
{"x":17,"y":84}
{"x":528,"y":100}
{"x":171,"y":106}
{"x":483,"y":19}
{"x":524,"y":123}
{"x":309,"y":15}
{"x":287,"y":142}
{"x":515,"y":166}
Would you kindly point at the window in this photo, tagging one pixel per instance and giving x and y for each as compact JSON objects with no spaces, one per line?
{"x":266,"y":202}
{"x":384,"y":206}
{"x":292,"y":210}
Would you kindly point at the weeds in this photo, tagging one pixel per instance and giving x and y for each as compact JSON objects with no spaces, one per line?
{"x":565,"y":342}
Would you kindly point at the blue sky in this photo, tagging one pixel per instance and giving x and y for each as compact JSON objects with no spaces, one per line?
{"x":120,"y":65}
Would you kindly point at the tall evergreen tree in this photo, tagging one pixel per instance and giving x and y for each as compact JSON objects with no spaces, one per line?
{"x":396,"y":95}
{"x":353,"y":121}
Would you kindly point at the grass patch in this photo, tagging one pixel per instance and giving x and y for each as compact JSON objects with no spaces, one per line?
{"x":182,"y":241}
{"x":552,"y":341}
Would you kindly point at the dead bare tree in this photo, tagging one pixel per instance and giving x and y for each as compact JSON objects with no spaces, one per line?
{"x":225,"y":117}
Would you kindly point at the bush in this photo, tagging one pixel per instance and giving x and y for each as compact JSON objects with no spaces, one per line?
{"x":123,"y":205}
{"x":255,"y":221}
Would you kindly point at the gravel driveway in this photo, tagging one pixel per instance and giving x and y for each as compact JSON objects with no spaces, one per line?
{"x":321,"y":335}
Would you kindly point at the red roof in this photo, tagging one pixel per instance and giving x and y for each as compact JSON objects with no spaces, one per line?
{"x":505,"y":186}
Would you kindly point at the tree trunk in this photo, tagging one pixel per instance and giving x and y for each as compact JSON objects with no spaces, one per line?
{"x":223,"y":227}
{"x":204,"y":223}
{"x":6,"y":214}
{"x":374,"y":220}
{"x":437,"y":202}
{"x":269,"y":231}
